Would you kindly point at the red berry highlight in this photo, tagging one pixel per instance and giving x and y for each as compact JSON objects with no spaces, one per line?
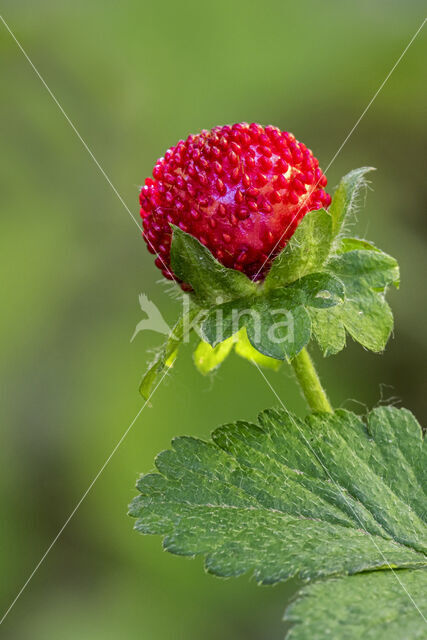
{"x":241,"y":190}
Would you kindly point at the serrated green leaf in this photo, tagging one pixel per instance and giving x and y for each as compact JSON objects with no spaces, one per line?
{"x":375,"y":268}
{"x":306,"y":251}
{"x":367,"y":317}
{"x":396,"y":434}
{"x":287,"y":497}
{"x":375,"y":606}
{"x":328,"y":329}
{"x":365,"y":314}
{"x":344,"y":197}
{"x":211,"y":281}
{"x":166,"y":355}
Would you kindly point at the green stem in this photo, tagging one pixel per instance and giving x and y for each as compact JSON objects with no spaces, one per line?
{"x":309,"y":382}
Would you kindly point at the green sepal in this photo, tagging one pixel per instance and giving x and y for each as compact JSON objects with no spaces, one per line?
{"x":352,"y":244}
{"x":344,"y":197}
{"x":212,"y":283}
{"x":245,"y":350}
{"x":207,"y":358}
{"x":166,"y":355}
{"x":306,"y":251}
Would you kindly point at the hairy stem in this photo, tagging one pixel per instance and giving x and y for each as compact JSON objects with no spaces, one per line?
{"x":309,"y":382}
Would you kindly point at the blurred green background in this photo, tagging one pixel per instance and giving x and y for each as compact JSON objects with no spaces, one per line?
{"x":135,"y":77}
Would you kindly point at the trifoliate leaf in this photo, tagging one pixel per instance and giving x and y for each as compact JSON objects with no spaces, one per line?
{"x":365,"y":314}
{"x":211,"y":281}
{"x":344,"y":197}
{"x":331,"y":495}
{"x":382,"y":605}
{"x":306,"y":251}
{"x":277,"y":321}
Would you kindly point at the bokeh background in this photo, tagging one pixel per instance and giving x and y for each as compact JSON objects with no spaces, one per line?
{"x":134,"y":77}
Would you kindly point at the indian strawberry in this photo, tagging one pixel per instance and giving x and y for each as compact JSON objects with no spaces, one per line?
{"x":241,"y":190}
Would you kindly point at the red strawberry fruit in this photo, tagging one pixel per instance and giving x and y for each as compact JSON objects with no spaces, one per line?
{"x":241,"y":190}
